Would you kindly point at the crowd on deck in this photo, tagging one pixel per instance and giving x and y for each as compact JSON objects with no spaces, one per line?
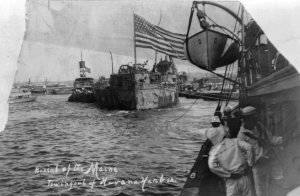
{"x":235,"y":159}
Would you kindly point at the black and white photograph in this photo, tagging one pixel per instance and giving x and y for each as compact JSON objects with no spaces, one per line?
{"x":154,"y":98}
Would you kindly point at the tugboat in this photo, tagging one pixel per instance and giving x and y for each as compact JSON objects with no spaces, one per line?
{"x":135,"y":88}
{"x":83,"y":86}
{"x":266,"y":80}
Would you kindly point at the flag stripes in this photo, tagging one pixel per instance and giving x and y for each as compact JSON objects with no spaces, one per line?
{"x":158,"y":41}
{"x":149,"y":36}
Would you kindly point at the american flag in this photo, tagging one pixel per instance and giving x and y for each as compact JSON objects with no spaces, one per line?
{"x":148,"y":35}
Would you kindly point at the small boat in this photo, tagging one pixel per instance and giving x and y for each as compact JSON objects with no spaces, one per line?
{"x":21,"y":97}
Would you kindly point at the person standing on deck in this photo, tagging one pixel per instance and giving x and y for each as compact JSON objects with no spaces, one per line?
{"x":231,"y":160}
{"x":253,"y":132}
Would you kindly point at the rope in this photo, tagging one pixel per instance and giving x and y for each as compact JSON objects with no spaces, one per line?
{"x":188,"y":31}
{"x":233,"y":81}
{"x":183,"y":112}
{"x":220,"y":99}
{"x":229,"y":93}
{"x":236,"y":20}
{"x":227,"y":85}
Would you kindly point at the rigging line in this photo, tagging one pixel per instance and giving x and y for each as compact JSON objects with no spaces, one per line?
{"x":184,"y":112}
{"x":219,"y":102}
{"x":229,"y":94}
{"x":226,"y":71}
{"x":231,"y":76}
{"x":220,"y":75}
{"x":159,"y":18}
{"x":238,"y":12}
{"x":222,"y":28}
{"x":228,"y":83}
{"x":158,"y":26}
{"x":216,"y":23}
{"x":227,"y":76}
{"x":233,"y":35}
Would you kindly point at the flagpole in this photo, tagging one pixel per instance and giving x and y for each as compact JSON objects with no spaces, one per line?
{"x":134,"y":39}
{"x":157,"y":25}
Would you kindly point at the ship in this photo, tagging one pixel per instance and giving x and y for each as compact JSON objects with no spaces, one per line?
{"x":38,"y":89}
{"x":21,"y":97}
{"x":136,"y":88}
{"x":266,"y":80}
{"x":59,"y":90}
{"x":83,"y":90}
{"x":182,"y":83}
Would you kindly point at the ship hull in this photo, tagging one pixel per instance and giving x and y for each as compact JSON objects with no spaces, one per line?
{"x":215,"y":96}
{"x":209,"y":96}
{"x":82,"y":97}
{"x":22,"y":100}
{"x":60,"y":91}
{"x":155,"y":96}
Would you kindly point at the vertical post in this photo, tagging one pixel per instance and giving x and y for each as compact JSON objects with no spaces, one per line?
{"x":48,"y":4}
{"x":270,"y":68}
{"x":112,"y":63}
{"x":243,"y":76}
{"x":134,"y":29}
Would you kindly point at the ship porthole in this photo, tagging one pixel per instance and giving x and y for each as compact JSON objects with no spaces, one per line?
{"x":193,"y":175}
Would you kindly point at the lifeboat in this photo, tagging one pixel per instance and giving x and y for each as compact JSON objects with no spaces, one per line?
{"x":209,"y":49}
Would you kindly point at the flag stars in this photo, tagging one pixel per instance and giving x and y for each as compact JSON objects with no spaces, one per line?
{"x":148,"y":35}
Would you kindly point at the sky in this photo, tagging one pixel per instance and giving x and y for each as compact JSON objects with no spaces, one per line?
{"x":57,"y":32}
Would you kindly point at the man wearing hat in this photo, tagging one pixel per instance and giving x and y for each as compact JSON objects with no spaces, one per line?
{"x":232,"y":122}
{"x":231,"y":159}
{"x":253,"y":132}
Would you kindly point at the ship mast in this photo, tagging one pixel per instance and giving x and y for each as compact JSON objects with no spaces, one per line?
{"x":82,"y":67}
{"x":134,"y":46}
{"x":112,"y":63}
{"x":156,"y":50}
{"x":242,"y":61}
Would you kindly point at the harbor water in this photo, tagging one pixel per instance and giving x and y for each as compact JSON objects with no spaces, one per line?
{"x":53,"y":147}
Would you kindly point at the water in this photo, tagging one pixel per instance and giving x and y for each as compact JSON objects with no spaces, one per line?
{"x":133,"y":145}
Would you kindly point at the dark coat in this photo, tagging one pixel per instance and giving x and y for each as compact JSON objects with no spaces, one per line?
{"x":234,"y":125}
